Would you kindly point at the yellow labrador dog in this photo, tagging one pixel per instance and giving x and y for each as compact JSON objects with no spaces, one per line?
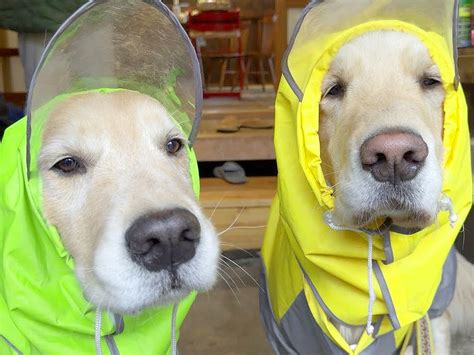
{"x":117,"y":186}
{"x":393,"y":136}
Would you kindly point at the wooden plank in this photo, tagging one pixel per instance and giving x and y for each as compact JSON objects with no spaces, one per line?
{"x":246,"y":144}
{"x":257,"y":191}
{"x":244,"y":207}
{"x":253,"y":103}
{"x":246,"y":233}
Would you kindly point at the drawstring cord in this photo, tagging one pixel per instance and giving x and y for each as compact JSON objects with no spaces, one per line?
{"x":445,"y":204}
{"x":98,"y":326}
{"x":328,"y":219}
{"x":369,"y":327}
{"x":174,"y":343}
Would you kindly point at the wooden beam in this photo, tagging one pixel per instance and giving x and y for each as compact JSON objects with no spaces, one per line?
{"x":466,"y":65}
{"x":281,"y":28}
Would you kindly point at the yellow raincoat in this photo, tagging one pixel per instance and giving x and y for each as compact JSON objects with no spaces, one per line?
{"x":316,"y":276}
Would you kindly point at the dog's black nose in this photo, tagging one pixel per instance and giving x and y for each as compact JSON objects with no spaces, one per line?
{"x":163,"y":239}
{"x":393,"y":156}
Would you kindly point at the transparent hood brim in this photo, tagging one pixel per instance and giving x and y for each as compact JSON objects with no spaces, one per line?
{"x":96,"y":48}
{"x":311,"y":29}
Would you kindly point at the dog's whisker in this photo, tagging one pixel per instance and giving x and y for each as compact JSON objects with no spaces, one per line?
{"x":148,"y":319}
{"x":223,"y":263}
{"x":340,"y":185}
{"x":217,"y":205}
{"x":238,"y":248}
{"x":245,"y":272}
{"x":332,"y":172}
{"x":230,"y":277}
{"x":231,"y":289}
{"x":242,"y":227}
{"x":233,"y":222}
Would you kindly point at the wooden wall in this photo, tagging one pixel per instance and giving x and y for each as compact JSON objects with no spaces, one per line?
{"x":11,"y":70}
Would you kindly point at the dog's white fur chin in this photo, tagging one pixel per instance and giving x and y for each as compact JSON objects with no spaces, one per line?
{"x":125,"y":287}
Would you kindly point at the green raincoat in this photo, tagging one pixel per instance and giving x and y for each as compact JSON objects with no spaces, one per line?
{"x":317,"y":276}
{"x":42,"y":306}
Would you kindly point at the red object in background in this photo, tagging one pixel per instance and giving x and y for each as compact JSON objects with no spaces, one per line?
{"x":215,"y":20}
{"x":223,"y":24}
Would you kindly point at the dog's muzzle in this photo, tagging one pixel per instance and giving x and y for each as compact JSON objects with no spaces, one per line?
{"x":163,"y":239}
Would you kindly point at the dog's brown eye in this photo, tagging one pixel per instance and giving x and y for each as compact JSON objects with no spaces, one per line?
{"x":174,"y":146}
{"x":68,"y":165}
{"x":429,"y":83}
{"x":335,"y":91}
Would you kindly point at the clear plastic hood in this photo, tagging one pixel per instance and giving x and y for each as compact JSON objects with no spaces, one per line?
{"x":128,"y":44}
{"x":323,"y":19}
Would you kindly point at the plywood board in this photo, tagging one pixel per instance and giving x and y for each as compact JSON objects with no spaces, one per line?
{"x":239,"y":212}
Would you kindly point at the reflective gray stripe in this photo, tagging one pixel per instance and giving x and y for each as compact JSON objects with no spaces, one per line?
{"x":384,"y":344}
{"x":14,"y":348}
{"x":119,"y":327}
{"x":377,"y":326}
{"x":298,"y":332}
{"x":119,"y":324}
{"x":305,"y":335}
{"x":386,"y":295}
{"x":111,"y":345}
{"x":387,"y":248}
{"x":277,"y":340}
{"x":323,"y":305}
{"x":284,"y":63}
{"x":457,"y":77}
{"x":445,"y":292}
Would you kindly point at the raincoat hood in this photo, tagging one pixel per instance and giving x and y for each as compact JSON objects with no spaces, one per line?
{"x":325,"y":265}
{"x":104,"y":47}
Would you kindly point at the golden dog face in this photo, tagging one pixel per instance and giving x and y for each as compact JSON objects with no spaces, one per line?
{"x":116,"y":184}
{"x":381,"y":130}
